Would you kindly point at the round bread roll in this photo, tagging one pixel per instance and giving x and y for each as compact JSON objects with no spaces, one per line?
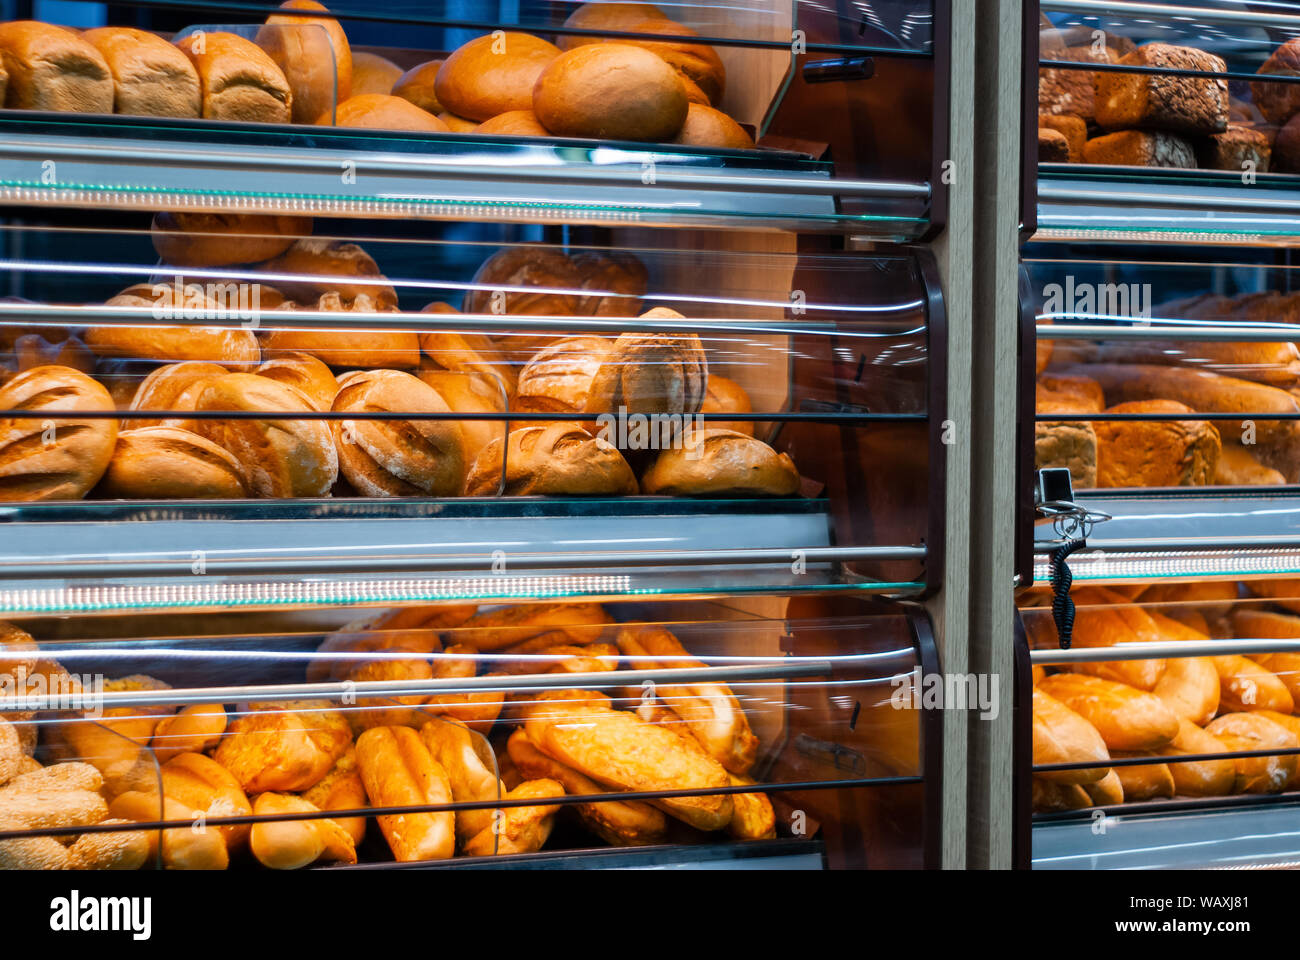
{"x":611,"y":273}
{"x":457,"y":124}
{"x":611,"y":91}
{"x":60,"y":459}
{"x":697,"y":63}
{"x":173,"y":387}
{"x":50,"y":68}
{"x":727,"y":396}
{"x":379,"y":111}
{"x":278,"y":458}
{"x":416,"y":85}
{"x":235,"y":348}
{"x":526,"y":265}
{"x":398,"y":458}
{"x":559,"y":378}
{"x":314,"y":54}
{"x":721,"y":463}
{"x":313,"y":267}
{"x":372,"y":73}
{"x":306,"y":373}
{"x":606,"y":16}
{"x":1279,"y":102}
{"x":224,"y":239}
{"x":470,"y":393}
{"x":467,"y":353}
{"x":514,"y":123}
{"x":151,"y":78}
{"x":707,"y":127}
{"x":237,"y":79}
{"x":651,"y":373}
{"x":493,"y":74}
{"x":167,"y":463}
{"x":555,"y":460}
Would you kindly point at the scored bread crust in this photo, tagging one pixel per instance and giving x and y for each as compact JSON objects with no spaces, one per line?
{"x":319,"y":266}
{"x":398,"y":458}
{"x":649,"y":373}
{"x":713,"y":462}
{"x":37,"y":463}
{"x":556,"y":460}
{"x":167,"y":463}
{"x":306,"y":373}
{"x":175,"y":386}
{"x":526,"y":266}
{"x":471,"y":393}
{"x":614,"y":272}
{"x":559,"y":377}
{"x":224,"y":239}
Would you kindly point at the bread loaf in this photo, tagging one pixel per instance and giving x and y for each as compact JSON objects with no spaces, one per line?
{"x":314,"y":55}
{"x":468,"y":353}
{"x":342,"y":789}
{"x":237,"y":79}
{"x":49,"y":459}
{"x":1238,"y":148}
{"x":372,"y":73}
{"x":458,"y":124}
{"x":1062,"y":736}
{"x":1279,"y":102}
{"x":605,"y":16}
{"x":168,"y":463}
{"x":1161,"y":453}
{"x":395,"y":458}
{"x":1238,"y":468}
{"x":398,"y":771}
{"x":555,"y":460}
{"x":471,"y":393}
{"x":493,"y":74}
{"x":50,"y":68}
{"x":1200,"y":778}
{"x":513,"y":123}
{"x":727,"y":396}
{"x":195,"y":729}
{"x":1127,"y":718}
{"x":721,"y":463}
{"x":173,"y":387}
{"x":1140,"y":148}
{"x":1053,"y":147}
{"x":204,"y":785}
{"x":525,"y":266}
{"x":471,"y":774}
{"x":381,"y":111}
{"x":1256,"y":624}
{"x":231,"y":347}
{"x":417,"y":86}
{"x":611,"y":91}
{"x":151,"y":78}
{"x":284,"y":746}
{"x":1072,"y":128}
{"x":1244,"y":686}
{"x":305,"y":373}
{"x":293,"y":844}
{"x":223,"y":239}
{"x":579,"y":623}
{"x":278,"y":458}
{"x":1284,"y":593}
{"x":1144,"y":782}
{"x":1070,"y":91}
{"x":698,"y":64}
{"x":312,"y":268}
{"x":558,"y":379}
{"x":1252,"y":731}
{"x":649,"y":373}
{"x":520,"y":829}
{"x":1190,"y":105}
{"x":616,"y":281}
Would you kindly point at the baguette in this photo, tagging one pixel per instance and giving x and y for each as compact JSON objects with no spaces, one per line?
{"x":1127,"y":718}
{"x":472,"y":776}
{"x":398,"y":771}
{"x":1145,"y":782}
{"x":519,"y":829}
{"x":1252,"y":731}
{"x":1062,"y":736}
{"x":292,"y":844}
{"x":342,"y":789}
{"x":1264,"y":625}
{"x":204,"y":785}
{"x":1200,"y":778}
{"x":1245,"y":686}
{"x":1291,"y":723}
{"x":1105,"y":626}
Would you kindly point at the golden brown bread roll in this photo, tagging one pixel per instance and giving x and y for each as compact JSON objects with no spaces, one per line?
{"x":1062,"y":736}
{"x":1127,"y":718}
{"x":417,"y":86}
{"x":519,"y":829}
{"x":627,"y":754}
{"x":238,"y":79}
{"x":1158,"y":453}
{"x":398,"y":458}
{"x":194,"y":846}
{"x":707,"y":127}
{"x":314,"y":55}
{"x":307,"y":374}
{"x":50,"y":68}
{"x":616,"y":282}
{"x":727,"y":396}
{"x":552,"y":460}
{"x":293,"y":844}
{"x":398,"y":771}
{"x":1244,"y":686}
{"x":528,"y":265}
{"x":1106,"y":623}
{"x":1147,"y":781}
{"x":1251,"y":623}
{"x":380,"y":111}
{"x":204,"y":785}
{"x":1050,"y":797}
{"x":312,"y":268}
{"x":1239,"y":468}
{"x":1190,"y":687}
{"x":342,"y":789}
{"x":721,"y":463}
{"x":559,"y":378}
{"x":606,"y":16}
{"x":53,"y":459}
{"x":697,"y":64}
{"x":710,"y":711}
{"x":471,"y":393}
{"x":278,"y":458}
{"x":168,"y":463}
{"x":195,"y":729}
{"x":580,"y":623}
{"x":284,"y":746}
{"x":1200,"y":778}
{"x":471,"y":772}
{"x":1291,"y":723}
{"x":173,"y":387}
{"x":493,"y":74}
{"x":1253,"y":731}
{"x":611,"y":91}
{"x":1108,"y":791}
{"x":151,"y":78}
{"x":224,"y":239}
{"x":337,"y":347}
{"x":234,"y":348}
{"x":372,"y":73}
{"x":467,"y":353}
{"x":479,"y":709}
{"x":651,"y":373}
{"x":513,"y":123}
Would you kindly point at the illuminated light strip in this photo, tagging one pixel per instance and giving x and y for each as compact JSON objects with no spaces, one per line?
{"x":1160,"y":236}
{"x":1170,"y":563}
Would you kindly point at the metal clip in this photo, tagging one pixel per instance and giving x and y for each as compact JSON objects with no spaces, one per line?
{"x":1054,"y":502}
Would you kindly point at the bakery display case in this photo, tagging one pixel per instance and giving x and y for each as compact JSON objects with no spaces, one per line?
{"x":1157,"y":402}
{"x":384,"y":486}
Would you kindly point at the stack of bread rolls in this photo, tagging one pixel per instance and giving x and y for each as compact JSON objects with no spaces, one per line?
{"x":370,"y":412}
{"x":271,"y":759}
{"x":1188,"y":704}
{"x":299,"y":68}
{"x":1255,"y":380}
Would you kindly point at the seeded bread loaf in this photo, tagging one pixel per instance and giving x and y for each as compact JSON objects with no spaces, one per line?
{"x":1235,"y":148}
{"x":1140,"y":148}
{"x":1189,"y":105}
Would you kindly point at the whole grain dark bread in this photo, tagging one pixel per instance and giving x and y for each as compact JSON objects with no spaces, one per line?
{"x":1233,"y":149}
{"x":1071,"y":127}
{"x":1052,"y":146}
{"x":1140,"y":148}
{"x":1070,"y":91}
{"x":1193,"y":105}
{"x":1279,"y":102}
{"x":1286,"y":149}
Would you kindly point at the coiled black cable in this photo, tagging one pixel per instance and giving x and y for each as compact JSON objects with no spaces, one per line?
{"x":1062,"y":604}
